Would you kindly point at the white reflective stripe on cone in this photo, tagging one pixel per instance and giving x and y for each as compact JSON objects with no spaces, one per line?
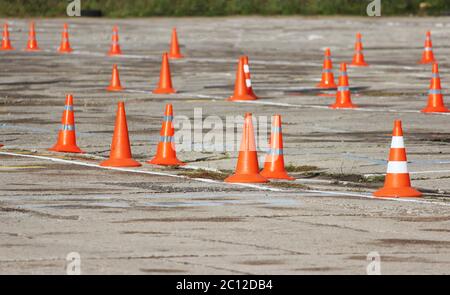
{"x":246,"y":69}
{"x":397,"y":142}
{"x":397,"y":167}
{"x":248,"y":82}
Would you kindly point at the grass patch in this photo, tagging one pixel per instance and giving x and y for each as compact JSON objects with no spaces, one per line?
{"x":288,"y":185}
{"x":201,"y":173}
{"x":301,"y":168}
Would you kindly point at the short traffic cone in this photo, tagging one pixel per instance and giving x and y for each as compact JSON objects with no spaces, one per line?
{"x":115,"y":47}
{"x":166,"y":153}
{"x":274,"y":163}
{"x":64,"y":47}
{"x":343,"y":99}
{"x":120,"y":154}
{"x":397,"y":183}
{"x":6,"y":42}
{"x":174,"y":47}
{"x":114,"y":84}
{"x":240,"y":87}
{"x":32,"y":44}
{"x":327,"y":72}
{"x":435,"y":97}
{"x":248,"y":80}
{"x":247,"y":169}
{"x":358,"y":58}
{"x":165,"y":80}
{"x":428,"y":55}
{"x":66,"y":137}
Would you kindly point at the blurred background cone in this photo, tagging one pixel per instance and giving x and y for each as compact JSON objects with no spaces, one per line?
{"x":241,"y":91}
{"x":64,"y":47}
{"x":343,"y":99}
{"x":115,"y":47}
{"x":358,"y":57}
{"x":6,"y":42}
{"x":327,"y":72}
{"x":32,"y":44}
{"x":114,"y":84}
{"x":435,"y":97}
{"x":120,"y":154}
{"x":248,"y":79}
{"x":165,"y":79}
{"x":174,"y":47}
{"x":428,"y":55}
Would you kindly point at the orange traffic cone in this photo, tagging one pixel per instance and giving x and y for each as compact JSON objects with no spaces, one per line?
{"x":240,"y":87}
{"x":67,"y":138}
{"x":115,"y":47}
{"x":6,"y":42}
{"x":427,"y":55}
{"x":327,"y":72}
{"x":435,"y":97}
{"x":247,"y":169}
{"x":166,"y":153}
{"x":358,"y":58}
{"x":120,"y":154}
{"x":343,"y":99}
{"x":274,"y":163}
{"x":64,"y":47}
{"x":114,"y":84}
{"x":165,"y":80}
{"x":32,"y":43}
{"x":174,"y":47}
{"x":397,"y":183}
{"x":248,"y":80}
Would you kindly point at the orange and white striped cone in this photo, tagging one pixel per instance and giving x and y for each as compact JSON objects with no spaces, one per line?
{"x":358,"y":58}
{"x":397,"y":183}
{"x":115,"y":47}
{"x":435,"y":97}
{"x":166,"y":154}
{"x":428,"y":55}
{"x":240,"y":87}
{"x":247,"y":168}
{"x":67,"y":141}
{"x":327,"y":72}
{"x":248,"y":80}
{"x":32,"y":44}
{"x":64,"y":47}
{"x":274,"y":162}
{"x":6,"y":42}
{"x":343,"y":99}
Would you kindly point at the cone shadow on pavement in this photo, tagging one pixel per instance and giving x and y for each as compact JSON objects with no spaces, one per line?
{"x":397,"y":183}
{"x":67,"y":142}
{"x":247,"y":168}
{"x":120,"y":154}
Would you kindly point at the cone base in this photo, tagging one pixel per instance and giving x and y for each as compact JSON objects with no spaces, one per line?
{"x":114,"y":88}
{"x":65,"y":50}
{"x":32,"y":49}
{"x":441,"y":109}
{"x":164,"y":91}
{"x":65,"y":149}
{"x":7,"y":49}
{"x":241,"y":97}
{"x":114,"y":53}
{"x":424,"y":62}
{"x":397,"y":192}
{"x":359,"y":64}
{"x":343,"y":106}
{"x":175,"y":56}
{"x":276,"y":175}
{"x":326,"y":86}
{"x":246,"y":178}
{"x":120,"y":163}
{"x":165,"y":162}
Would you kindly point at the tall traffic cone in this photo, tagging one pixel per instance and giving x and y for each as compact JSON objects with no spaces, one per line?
{"x":32,"y":43}
{"x":241,"y":91}
{"x":66,"y":137}
{"x":247,"y":169}
{"x":64,"y":47}
{"x":435,"y":97}
{"x":165,"y":80}
{"x":274,"y":163}
{"x":358,"y":58}
{"x":327,"y":72}
{"x":428,"y":55}
{"x":6,"y":42}
{"x":166,"y":153}
{"x":114,"y":84}
{"x":248,"y":80}
{"x":397,"y":183}
{"x":115,"y":47}
{"x":343,"y":99}
{"x":120,"y":154}
{"x":174,"y":47}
